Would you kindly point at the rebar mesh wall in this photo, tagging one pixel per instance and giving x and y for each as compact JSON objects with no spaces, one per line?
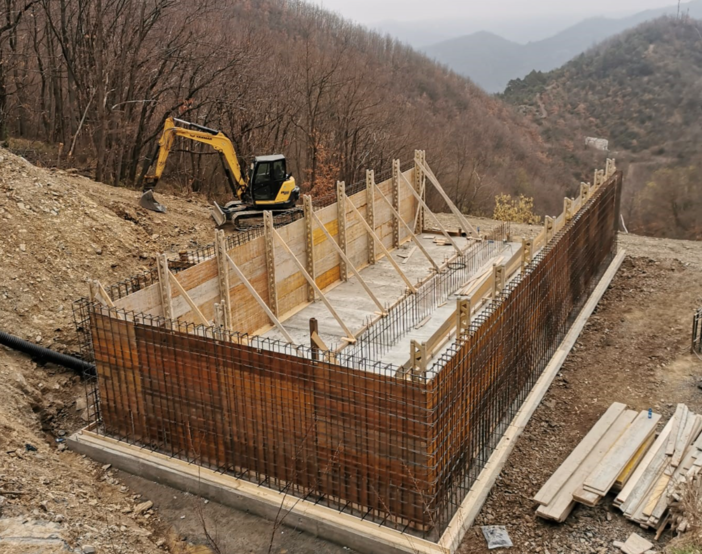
{"x":487,"y":374}
{"x":401,"y":452}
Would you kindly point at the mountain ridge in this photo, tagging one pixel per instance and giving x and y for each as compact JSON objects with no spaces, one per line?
{"x":492,"y":69}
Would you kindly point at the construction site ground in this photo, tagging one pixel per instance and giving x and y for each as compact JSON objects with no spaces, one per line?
{"x":60,"y":229}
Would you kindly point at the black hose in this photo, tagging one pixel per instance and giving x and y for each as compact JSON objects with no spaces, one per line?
{"x":41,"y":354}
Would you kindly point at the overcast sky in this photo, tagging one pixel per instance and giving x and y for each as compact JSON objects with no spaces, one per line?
{"x":371,"y":11}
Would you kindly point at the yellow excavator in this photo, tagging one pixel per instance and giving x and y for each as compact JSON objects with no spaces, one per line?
{"x":267,"y":187}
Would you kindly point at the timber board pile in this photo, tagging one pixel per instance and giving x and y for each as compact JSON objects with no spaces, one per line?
{"x":622,"y":454}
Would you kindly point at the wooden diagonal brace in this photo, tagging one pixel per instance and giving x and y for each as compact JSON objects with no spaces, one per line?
{"x":398,"y":218}
{"x":462,"y":221}
{"x":382,"y":247}
{"x":427,"y":210}
{"x":186,"y":297}
{"x":349,"y":335}
{"x":99,"y":294}
{"x":258,"y":299}
{"x":349,"y":264}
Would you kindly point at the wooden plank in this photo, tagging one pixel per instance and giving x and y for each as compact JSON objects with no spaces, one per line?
{"x":684,"y":439}
{"x":633,"y":463}
{"x":562,"y":504}
{"x":605,"y":474}
{"x":656,"y":492}
{"x":638,"y":475}
{"x":636,"y":544}
{"x":677,"y":417}
{"x":576,"y":457}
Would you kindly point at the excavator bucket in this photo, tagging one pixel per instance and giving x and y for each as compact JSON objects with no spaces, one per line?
{"x":150,"y":203}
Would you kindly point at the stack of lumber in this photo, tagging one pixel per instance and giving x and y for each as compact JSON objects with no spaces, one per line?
{"x":672,"y":460}
{"x":621,"y":453}
{"x":604,"y":459}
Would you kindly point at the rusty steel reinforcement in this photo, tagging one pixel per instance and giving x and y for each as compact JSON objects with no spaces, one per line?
{"x":334,"y":428}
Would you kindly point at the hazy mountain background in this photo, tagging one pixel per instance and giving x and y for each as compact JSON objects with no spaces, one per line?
{"x":491,"y":61}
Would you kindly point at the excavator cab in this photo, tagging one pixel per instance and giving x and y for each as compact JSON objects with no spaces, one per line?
{"x":268,"y":174}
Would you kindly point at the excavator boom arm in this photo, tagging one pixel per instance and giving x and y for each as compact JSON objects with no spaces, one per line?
{"x":214,"y":138}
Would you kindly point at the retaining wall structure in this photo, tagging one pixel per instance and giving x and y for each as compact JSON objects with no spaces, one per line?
{"x":397,"y":447}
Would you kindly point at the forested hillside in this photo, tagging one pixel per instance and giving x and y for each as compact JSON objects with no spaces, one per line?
{"x":99,"y":77}
{"x":643,"y":92}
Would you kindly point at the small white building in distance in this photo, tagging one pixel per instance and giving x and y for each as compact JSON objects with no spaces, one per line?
{"x":599,"y":143}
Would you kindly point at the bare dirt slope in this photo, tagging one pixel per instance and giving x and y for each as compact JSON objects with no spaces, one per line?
{"x":60,"y":229}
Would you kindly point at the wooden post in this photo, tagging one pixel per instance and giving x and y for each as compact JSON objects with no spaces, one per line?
{"x":526,"y":250}
{"x":463,"y":313}
{"x":309,"y":243}
{"x":370,"y":211}
{"x":314,"y":330}
{"x":270,"y":261}
{"x":498,"y":282}
{"x":584,"y":193}
{"x":419,"y":188}
{"x":396,"y":202}
{"x":164,"y":284}
{"x":374,"y":237}
{"x":418,"y":358}
{"x":548,"y":224}
{"x":568,"y":208}
{"x":341,"y":225}
{"x":225,"y":300}
{"x":398,"y":218}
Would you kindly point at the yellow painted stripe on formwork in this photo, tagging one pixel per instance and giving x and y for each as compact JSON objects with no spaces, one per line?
{"x":318,"y":235}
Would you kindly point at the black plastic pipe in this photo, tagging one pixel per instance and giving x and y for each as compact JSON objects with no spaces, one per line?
{"x":41,"y":354}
